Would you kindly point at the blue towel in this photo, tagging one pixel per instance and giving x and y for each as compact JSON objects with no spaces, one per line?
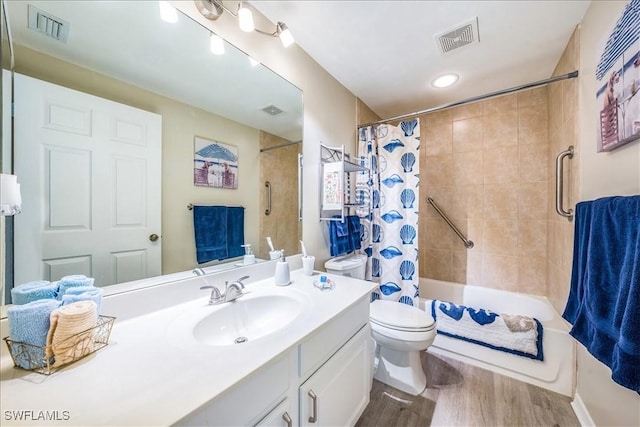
{"x":235,"y":231}
{"x":73,"y":281}
{"x":604,"y":299}
{"x":339,"y":244}
{"x":84,"y":293}
{"x":29,"y":323}
{"x":210,"y":228}
{"x":355,"y":232}
{"x":32,"y":291}
{"x":219,"y":232}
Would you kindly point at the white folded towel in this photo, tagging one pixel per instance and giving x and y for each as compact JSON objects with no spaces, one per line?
{"x":71,"y":335}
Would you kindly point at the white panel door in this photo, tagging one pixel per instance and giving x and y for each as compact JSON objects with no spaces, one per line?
{"x":89,"y":169}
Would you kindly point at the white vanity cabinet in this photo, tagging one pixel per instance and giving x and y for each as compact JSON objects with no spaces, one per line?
{"x":337,"y":394}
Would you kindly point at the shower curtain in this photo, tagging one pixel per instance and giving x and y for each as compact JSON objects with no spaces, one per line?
{"x":390,"y":194}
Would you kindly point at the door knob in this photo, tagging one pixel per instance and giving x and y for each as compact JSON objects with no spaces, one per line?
{"x":154,"y":237}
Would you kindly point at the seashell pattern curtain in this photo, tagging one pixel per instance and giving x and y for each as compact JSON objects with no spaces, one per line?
{"x":390,"y":216}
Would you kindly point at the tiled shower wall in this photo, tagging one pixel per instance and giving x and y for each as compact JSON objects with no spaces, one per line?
{"x":485,"y":165}
{"x":564,"y":131}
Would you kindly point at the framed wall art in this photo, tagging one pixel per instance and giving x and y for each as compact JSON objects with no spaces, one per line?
{"x":215,"y":164}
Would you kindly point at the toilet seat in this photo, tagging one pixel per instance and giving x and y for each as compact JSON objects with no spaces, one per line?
{"x":400,"y":317}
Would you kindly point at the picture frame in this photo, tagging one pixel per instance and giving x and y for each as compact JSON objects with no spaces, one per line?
{"x":215,"y":164}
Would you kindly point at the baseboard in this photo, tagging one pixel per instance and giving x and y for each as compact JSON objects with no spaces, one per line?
{"x":581,"y":412}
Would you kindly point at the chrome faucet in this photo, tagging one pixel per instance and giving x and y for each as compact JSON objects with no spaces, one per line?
{"x":199,"y":271}
{"x":234,"y":289}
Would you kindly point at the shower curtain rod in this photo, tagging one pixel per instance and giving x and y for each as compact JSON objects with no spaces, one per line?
{"x":286,"y":144}
{"x":571,"y":75}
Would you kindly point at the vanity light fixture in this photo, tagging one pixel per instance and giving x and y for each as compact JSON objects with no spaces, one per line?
{"x":10,"y":199}
{"x":245,"y":18}
{"x":445,"y":80}
{"x":216,"y":44}
{"x":168,"y":13}
{"x":212,"y":9}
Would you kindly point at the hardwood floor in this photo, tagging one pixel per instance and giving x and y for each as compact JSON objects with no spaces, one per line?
{"x":458,"y":394}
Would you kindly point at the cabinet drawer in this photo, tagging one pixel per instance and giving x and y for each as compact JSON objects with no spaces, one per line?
{"x":281,"y":416}
{"x":324,"y":343}
{"x":248,"y":401}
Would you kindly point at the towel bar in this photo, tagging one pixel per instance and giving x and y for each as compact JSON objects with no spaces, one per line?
{"x":560,"y":183}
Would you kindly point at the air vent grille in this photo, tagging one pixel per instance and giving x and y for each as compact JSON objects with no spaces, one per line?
{"x":461,"y":36}
{"x":48,"y":24}
{"x":272,"y":110}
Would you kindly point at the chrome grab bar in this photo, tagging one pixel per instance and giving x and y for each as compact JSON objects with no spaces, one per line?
{"x":467,"y":243}
{"x":268,"y":210}
{"x":560,"y":183}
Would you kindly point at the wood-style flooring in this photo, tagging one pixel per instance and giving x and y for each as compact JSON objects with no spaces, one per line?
{"x":458,"y":394}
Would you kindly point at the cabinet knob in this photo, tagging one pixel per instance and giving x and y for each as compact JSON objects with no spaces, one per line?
{"x":314,"y":416}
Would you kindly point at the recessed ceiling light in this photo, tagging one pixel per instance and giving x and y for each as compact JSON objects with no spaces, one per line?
{"x":445,"y":80}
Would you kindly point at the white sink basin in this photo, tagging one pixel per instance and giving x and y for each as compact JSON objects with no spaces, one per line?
{"x":253,"y":316}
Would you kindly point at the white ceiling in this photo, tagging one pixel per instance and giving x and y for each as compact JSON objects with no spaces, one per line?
{"x":385,"y":52}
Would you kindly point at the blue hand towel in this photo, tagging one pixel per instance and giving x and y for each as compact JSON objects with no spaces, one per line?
{"x":355,"y":232}
{"x":73,"y":281}
{"x":29,"y":323}
{"x":604,"y":299}
{"x":210,"y":229}
{"x":84,"y":293}
{"x":32,"y":291}
{"x":339,"y":244}
{"x":235,"y":231}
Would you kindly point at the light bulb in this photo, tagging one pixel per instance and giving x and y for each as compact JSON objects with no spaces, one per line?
{"x":285,"y":35}
{"x":245,"y":18}
{"x":445,"y":80}
{"x":168,"y":13}
{"x":216,"y":44}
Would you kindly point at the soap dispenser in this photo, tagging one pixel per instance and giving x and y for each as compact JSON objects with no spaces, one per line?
{"x":282,"y":277}
{"x":249,"y":257}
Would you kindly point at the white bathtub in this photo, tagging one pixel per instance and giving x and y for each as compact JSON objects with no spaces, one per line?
{"x":555,"y":373}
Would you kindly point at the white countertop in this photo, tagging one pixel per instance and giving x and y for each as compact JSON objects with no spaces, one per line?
{"x":146,"y":377}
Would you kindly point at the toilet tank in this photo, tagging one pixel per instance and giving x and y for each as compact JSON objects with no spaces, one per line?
{"x":352,"y":265}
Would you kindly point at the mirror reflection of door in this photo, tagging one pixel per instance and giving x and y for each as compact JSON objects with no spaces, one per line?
{"x":90,"y":170}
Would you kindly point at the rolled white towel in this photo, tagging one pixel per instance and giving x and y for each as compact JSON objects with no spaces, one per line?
{"x":71,"y":335}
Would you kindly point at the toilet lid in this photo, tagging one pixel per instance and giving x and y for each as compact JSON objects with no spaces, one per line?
{"x":400,"y":316}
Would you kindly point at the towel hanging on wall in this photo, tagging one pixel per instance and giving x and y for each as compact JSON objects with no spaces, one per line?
{"x":219,"y":232}
{"x":604,"y":299}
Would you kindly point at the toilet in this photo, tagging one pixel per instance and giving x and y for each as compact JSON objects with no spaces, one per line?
{"x":401,"y":332}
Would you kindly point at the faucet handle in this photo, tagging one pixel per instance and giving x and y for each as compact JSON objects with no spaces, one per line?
{"x":239,"y":281}
{"x":216,"y":296}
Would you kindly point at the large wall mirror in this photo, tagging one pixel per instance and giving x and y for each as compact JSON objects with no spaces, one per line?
{"x":123,"y":51}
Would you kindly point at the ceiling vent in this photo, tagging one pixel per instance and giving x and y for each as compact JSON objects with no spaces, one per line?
{"x":45,"y":23}
{"x":464,"y":35}
{"x":272,"y":110}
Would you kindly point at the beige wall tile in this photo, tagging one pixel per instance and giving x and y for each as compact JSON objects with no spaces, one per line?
{"x":535,"y":96}
{"x":437,"y":264}
{"x":532,"y":275}
{"x":474,"y":268}
{"x":459,"y":266}
{"x":532,"y":238}
{"x":500,"y":272}
{"x":438,"y":140}
{"x":443,"y":197}
{"x":500,"y":129}
{"x":532,"y":119}
{"x":500,"y":104}
{"x":500,"y":201}
{"x":467,"y":202}
{"x":467,"y":135}
{"x":467,"y":169}
{"x":467,"y":111}
{"x":500,"y":236}
{"x":532,"y":200}
{"x":437,"y":234}
{"x":554,"y":243}
{"x":438,"y":170}
{"x":441,"y":117}
{"x":533,"y":162}
{"x":569,"y":99}
{"x":501,"y":165}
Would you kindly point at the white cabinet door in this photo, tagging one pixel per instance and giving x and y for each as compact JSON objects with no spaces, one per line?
{"x":90,"y":173}
{"x":338,"y":392}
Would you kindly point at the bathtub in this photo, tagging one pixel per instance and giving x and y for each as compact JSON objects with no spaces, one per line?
{"x":555,"y":373}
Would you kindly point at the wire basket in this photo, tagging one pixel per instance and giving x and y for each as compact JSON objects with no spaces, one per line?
{"x":36,"y":358}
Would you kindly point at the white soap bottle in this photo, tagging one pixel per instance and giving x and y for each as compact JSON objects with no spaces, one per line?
{"x":282,"y":277}
{"x":249,"y":257}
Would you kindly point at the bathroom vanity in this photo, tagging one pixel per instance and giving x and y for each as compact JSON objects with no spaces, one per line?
{"x":305,"y":359}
